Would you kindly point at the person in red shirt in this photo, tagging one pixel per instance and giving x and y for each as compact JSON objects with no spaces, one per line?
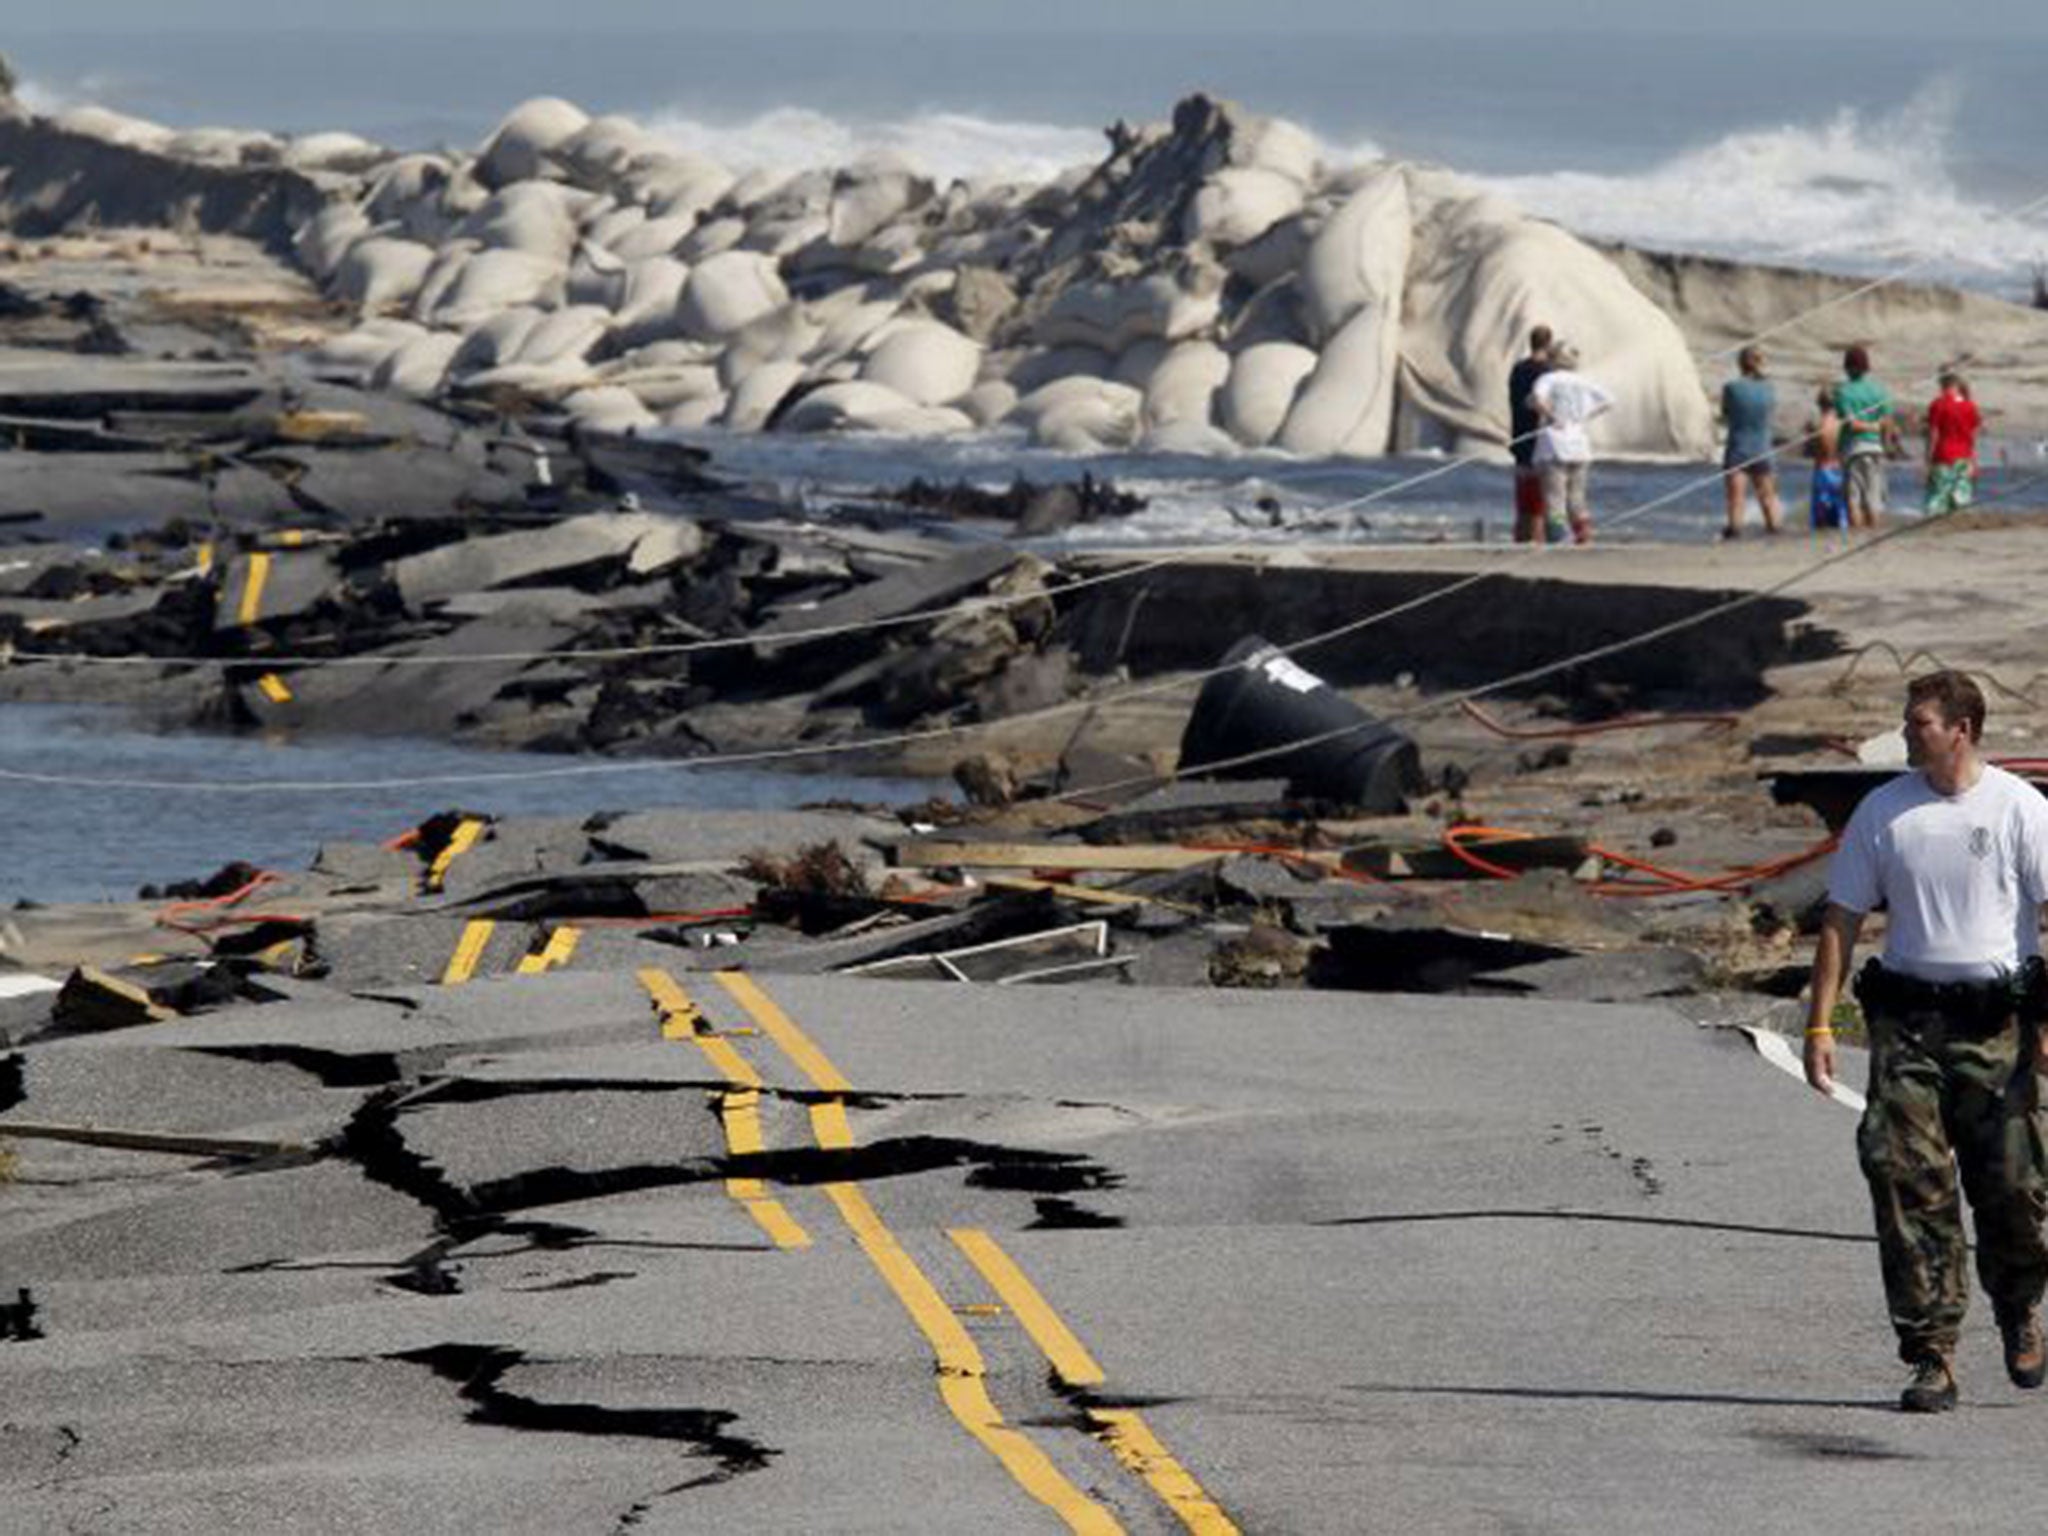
{"x":1952,"y":423}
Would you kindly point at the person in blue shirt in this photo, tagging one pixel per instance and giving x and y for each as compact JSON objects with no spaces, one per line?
{"x":1747,"y":405}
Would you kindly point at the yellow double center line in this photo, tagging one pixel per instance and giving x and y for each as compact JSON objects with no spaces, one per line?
{"x":739,"y":1108}
{"x":962,"y":1371}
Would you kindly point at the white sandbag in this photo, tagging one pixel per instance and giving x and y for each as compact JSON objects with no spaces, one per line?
{"x":782,"y":335}
{"x":536,"y":381}
{"x":490,"y":281}
{"x":1183,"y":387}
{"x":417,"y":369}
{"x":358,"y":353}
{"x":1359,"y":258}
{"x":848,"y":321}
{"x":1276,"y":145}
{"x":1037,"y":369}
{"x":678,"y":186}
{"x":449,"y":261}
{"x":726,"y":291}
{"x":888,"y":252}
{"x":1240,"y":203}
{"x":495,"y":340}
{"x":518,"y":149}
{"x":1136,"y":364}
{"x":1483,"y":273}
{"x":712,"y":236}
{"x":564,"y":335}
{"x":755,"y":395}
{"x":856,"y":405}
{"x":112,"y":127}
{"x":609,"y":408}
{"x":596,"y":276}
{"x":669,"y":353}
{"x":1188,"y":437}
{"x":598,"y":154}
{"x":1276,"y":253}
{"x":779,"y":236}
{"x":1272,"y":314}
{"x":653,"y":237}
{"x":532,"y":217}
{"x":649,"y":299}
{"x":1110,"y":316}
{"x":325,"y":238}
{"x":924,"y":361}
{"x":988,"y":402}
{"x":1347,"y":404}
{"x":331,"y":151}
{"x":1081,"y":415}
{"x":870,"y":195}
{"x":663,"y":388}
{"x":700,"y":412}
{"x":410,"y":191}
{"x":611,"y":226}
{"x":1255,"y":399}
{"x":381,"y":271}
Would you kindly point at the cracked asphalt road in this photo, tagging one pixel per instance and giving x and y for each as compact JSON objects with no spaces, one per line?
{"x":597,"y":1251}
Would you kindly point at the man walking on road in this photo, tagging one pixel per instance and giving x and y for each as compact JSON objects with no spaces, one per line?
{"x":1957,"y":853}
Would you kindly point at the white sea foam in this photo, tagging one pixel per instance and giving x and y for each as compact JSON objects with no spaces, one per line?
{"x":947,"y":145}
{"x":1854,"y":193}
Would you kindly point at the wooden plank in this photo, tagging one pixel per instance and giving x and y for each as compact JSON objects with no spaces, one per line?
{"x":931,"y":853}
{"x":1087,"y":893}
{"x":176,"y":1143}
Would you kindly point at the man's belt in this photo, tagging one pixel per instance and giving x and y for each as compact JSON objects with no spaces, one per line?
{"x":1984,"y":1005}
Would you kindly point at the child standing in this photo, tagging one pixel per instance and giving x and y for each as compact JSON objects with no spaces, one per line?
{"x":1828,"y":501}
{"x":1952,"y":423}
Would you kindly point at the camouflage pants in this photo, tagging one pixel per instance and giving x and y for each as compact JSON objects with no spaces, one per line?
{"x":1936,"y":1092}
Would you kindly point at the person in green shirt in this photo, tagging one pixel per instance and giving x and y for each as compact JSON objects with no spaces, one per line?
{"x":1870,"y":431}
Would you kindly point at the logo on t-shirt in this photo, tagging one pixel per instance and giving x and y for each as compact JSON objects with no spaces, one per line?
{"x":1980,"y":842}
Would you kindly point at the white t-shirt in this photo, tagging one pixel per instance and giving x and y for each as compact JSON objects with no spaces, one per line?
{"x":1569,"y":401}
{"x":1962,"y":876}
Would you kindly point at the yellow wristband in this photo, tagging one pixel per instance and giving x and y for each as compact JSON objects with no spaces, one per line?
{"x":1818,"y":1029}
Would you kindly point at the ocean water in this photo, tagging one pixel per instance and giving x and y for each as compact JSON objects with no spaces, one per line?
{"x":83,"y":842}
{"x":1858,"y":154}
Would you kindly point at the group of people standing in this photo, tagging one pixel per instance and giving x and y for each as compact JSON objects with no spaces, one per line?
{"x":1853,"y":433}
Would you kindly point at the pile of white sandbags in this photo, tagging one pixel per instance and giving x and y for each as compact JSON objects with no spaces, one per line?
{"x":1210,"y":288}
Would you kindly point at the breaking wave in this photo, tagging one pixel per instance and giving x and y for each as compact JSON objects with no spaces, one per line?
{"x":1856,"y":193}
{"x":947,"y":145}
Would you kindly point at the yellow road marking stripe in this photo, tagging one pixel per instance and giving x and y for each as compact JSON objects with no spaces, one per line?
{"x":469,"y":949}
{"x":739,"y":1114}
{"x":962,"y":1373}
{"x":467,"y":831}
{"x":252,"y":591}
{"x":1132,"y":1442}
{"x":1126,"y":1434}
{"x":560,"y":946}
{"x":828,"y":1124}
{"x":1068,"y":1355}
{"x":782,"y":1029}
{"x":274,"y":689}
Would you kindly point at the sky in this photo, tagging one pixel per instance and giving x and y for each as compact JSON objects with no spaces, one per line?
{"x":1771,"y":21}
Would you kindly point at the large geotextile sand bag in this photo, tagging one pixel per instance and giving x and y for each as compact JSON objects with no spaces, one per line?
{"x":1255,"y":399}
{"x":1184,"y":384}
{"x":358,"y":353}
{"x":495,"y":339}
{"x":677,"y":185}
{"x":534,"y":217}
{"x":924,"y":361}
{"x":1359,"y":257}
{"x":1240,"y":203}
{"x":782,"y":335}
{"x":564,"y":335}
{"x":599,"y":153}
{"x":381,"y":270}
{"x":650,"y":297}
{"x":489,"y":281}
{"x":519,"y":148}
{"x":728,"y":290}
{"x":1081,"y":415}
{"x":652,"y":237}
{"x":419,"y":366}
{"x":1109,"y":316}
{"x":1483,"y":273}
{"x":1346,"y":405}
{"x":609,"y":408}
{"x":325,"y":238}
{"x":756,"y":394}
{"x":858,"y":405}
{"x":111,"y":127}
